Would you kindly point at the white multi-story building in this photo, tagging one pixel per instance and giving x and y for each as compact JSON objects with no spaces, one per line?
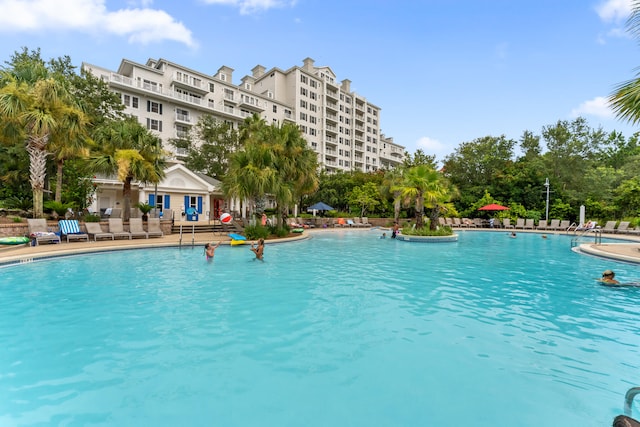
{"x":342,"y":127}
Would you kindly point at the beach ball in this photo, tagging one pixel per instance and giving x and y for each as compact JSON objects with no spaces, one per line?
{"x":226,"y":218}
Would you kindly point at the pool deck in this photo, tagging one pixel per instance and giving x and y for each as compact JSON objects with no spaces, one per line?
{"x":626,"y":252}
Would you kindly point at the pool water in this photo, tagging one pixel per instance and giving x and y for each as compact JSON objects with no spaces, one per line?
{"x":344,"y":329}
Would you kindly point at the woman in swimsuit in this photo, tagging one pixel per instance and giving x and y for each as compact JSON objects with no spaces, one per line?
{"x":209,"y":250}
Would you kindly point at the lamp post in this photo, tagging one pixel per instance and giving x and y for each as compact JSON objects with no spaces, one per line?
{"x":546,"y":213}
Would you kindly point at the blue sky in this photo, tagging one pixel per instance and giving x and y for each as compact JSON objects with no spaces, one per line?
{"x":443,"y":71}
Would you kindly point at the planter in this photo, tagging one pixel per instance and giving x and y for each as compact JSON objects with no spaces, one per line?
{"x":427,"y":239}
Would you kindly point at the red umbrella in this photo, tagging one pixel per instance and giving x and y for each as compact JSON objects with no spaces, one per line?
{"x":493,"y":207}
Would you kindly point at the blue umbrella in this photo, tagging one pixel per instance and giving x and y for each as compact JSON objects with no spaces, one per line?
{"x":320,"y":206}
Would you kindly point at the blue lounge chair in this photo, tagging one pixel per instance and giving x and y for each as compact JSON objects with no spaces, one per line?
{"x":70,"y":229}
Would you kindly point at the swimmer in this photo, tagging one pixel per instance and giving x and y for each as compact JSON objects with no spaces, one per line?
{"x":608,"y":277}
{"x":209,"y":250}
{"x":544,"y":236}
{"x":258,"y":250}
{"x":384,"y":236}
{"x":513,"y":235}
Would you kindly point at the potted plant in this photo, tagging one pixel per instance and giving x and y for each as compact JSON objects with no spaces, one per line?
{"x":145,"y":208}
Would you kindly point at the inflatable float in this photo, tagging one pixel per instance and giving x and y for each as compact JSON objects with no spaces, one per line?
{"x":14,"y":240}
{"x":297,"y":230}
{"x":237,"y":239}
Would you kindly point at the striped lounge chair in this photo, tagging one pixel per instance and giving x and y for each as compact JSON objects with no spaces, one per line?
{"x":70,"y":229}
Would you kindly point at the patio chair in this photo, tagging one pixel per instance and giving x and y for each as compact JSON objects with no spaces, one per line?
{"x":466,"y":222}
{"x":507,"y":223}
{"x":441,"y":221}
{"x":153,"y":228}
{"x":520,"y":223}
{"x":564,"y":224}
{"x":623,"y":227}
{"x":609,"y":227}
{"x":116,"y":213}
{"x":70,"y":229}
{"x":94,"y":229}
{"x":117,"y":228}
{"x":136,"y":228}
{"x":542,"y":225}
{"x":554,"y":225}
{"x":457,"y":222}
{"x":365,"y":221}
{"x":40,"y":233}
{"x":529,"y":224}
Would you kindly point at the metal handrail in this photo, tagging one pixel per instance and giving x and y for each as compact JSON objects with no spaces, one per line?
{"x":597,"y":232}
{"x":628,"y":399}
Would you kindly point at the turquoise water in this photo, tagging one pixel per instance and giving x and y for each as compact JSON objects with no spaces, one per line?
{"x":344,"y":329}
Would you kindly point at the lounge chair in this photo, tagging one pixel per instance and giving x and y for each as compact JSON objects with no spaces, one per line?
{"x":565,"y":224}
{"x":520,"y":223}
{"x":358,"y":223}
{"x":529,"y":224}
{"x":153,"y":227}
{"x":70,"y":229}
{"x":554,"y":225}
{"x":507,"y":223}
{"x":623,"y":227}
{"x":441,"y":221}
{"x":94,"y":229}
{"x":38,"y":230}
{"x":466,"y":222}
{"x":117,"y":228}
{"x":609,"y":227}
{"x":542,"y":225}
{"x":457,"y":222}
{"x":136,"y":228}
{"x":449,"y":222}
{"x":116,"y":213}
{"x":365,"y":221}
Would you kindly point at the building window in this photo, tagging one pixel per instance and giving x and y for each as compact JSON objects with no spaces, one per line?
{"x":303,"y":79}
{"x":303,"y":116}
{"x":303,"y":103}
{"x":130,"y":101}
{"x":153,"y":124}
{"x":154,"y":107}
{"x":303,"y":91}
{"x":211,"y":87}
{"x":312,"y":119}
{"x":275,"y":108}
{"x":312,"y":95}
{"x":223,"y":77}
{"x":313,"y":107}
{"x":312,"y":131}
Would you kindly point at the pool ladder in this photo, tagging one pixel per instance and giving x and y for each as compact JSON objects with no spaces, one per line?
{"x":628,"y":399}
{"x":597,"y":237}
{"x":193,"y":235}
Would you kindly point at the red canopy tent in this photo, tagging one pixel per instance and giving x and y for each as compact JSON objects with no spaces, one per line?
{"x":493,"y":207}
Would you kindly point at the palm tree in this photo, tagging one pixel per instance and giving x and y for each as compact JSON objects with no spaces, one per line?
{"x":625,"y":100}
{"x":131,"y":152}
{"x":296,"y":165}
{"x":422,"y":184}
{"x":37,"y":108}
{"x":390,"y":187}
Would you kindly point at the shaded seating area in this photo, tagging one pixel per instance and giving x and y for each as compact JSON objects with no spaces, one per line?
{"x":95,"y":230}
{"x":70,"y":228}
{"x":116,"y":227}
{"x":39,"y":231}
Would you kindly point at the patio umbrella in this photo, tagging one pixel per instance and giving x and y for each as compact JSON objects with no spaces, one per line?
{"x":493,"y":207}
{"x":320,"y":206}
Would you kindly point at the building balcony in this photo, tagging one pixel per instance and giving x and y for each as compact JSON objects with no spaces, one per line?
{"x":252,"y":103}
{"x":188,"y":82}
{"x":183,"y":118}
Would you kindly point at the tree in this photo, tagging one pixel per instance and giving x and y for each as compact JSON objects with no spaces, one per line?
{"x":391,"y":187}
{"x":131,"y":152}
{"x":215,"y":141}
{"x":423,"y":184}
{"x":36,"y":106}
{"x":366,"y":197}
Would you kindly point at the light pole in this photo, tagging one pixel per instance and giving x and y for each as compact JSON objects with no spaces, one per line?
{"x":546,"y":213}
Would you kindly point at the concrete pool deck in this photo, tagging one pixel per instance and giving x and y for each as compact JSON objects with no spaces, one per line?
{"x":629,"y":251}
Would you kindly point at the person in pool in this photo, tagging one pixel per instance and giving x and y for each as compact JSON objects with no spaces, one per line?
{"x":608,"y":277}
{"x":209,"y":250}
{"x":259,"y":249}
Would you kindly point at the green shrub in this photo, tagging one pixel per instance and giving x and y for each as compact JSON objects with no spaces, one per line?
{"x":425,"y":231}
{"x":58,"y":207}
{"x":17,"y":219}
{"x":91,"y":218}
{"x":255,"y":232}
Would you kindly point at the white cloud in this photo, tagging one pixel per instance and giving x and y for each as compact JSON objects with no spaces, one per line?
{"x":614,"y":10}
{"x":432,"y":146}
{"x":140,"y":25}
{"x":251,"y":6}
{"x":598,"y":107}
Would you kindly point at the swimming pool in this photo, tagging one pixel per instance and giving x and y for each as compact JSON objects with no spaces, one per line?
{"x":343,"y":329}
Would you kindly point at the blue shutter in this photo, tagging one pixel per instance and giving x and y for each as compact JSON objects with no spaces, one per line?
{"x":167,"y":204}
{"x":186,"y":203}
{"x":152,"y":199}
{"x":200,"y":204}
